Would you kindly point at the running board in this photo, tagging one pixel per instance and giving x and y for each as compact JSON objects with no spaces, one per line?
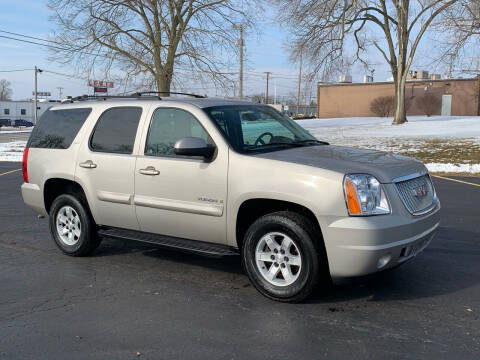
{"x":193,"y":246}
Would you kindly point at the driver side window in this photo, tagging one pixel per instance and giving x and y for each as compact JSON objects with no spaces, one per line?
{"x":169,"y":125}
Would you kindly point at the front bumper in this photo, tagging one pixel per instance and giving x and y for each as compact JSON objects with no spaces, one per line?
{"x":358,"y":246}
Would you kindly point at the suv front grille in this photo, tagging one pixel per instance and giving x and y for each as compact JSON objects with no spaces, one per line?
{"x":418,"y":194}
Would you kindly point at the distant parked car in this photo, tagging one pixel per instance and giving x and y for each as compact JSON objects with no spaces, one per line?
{"x":5,"y":122}
{"x":17,"y":123}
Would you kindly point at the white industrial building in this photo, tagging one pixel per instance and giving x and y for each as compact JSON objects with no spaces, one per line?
{"x":23,"y":110}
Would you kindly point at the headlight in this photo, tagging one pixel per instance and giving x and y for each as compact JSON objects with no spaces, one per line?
{"x":364,"y":195}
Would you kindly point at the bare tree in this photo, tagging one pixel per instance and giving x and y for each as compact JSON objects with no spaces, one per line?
{"x":461,"y":29}
{"x":325,"y":28}
{"x":257,"y":98}
{"x":5,"y":90}
{"x":464,"y":19}
{"x":383,"y":106}
{"x":148,"y":37}
{"x":429,"y":104}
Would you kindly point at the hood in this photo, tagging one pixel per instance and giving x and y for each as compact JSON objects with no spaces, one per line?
{"x":384,"y":166}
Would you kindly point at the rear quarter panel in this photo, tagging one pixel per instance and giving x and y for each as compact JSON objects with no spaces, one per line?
{"x":44,"y":164}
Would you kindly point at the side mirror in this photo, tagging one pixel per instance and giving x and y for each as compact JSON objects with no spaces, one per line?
{"x":193,"y":146}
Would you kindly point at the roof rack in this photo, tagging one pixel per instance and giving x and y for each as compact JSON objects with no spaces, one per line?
{"x":170,"y":93}
{"x":143,"y":94}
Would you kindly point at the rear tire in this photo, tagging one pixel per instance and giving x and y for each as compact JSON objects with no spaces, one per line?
{"x":280,"y":257}
{"x":72,"y":227}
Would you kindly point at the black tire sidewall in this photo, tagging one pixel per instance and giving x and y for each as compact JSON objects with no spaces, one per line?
{"x":85,"y":239}
{"x":309,"y":270}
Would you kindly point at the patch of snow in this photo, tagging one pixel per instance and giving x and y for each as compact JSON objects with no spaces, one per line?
{"x":454,"y":168}
{"x":417,"y":126}
{"x":12,"y":151}
{"x":13,"y":130}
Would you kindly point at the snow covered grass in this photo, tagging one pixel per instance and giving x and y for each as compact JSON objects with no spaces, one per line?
{"x":12,"y":151}
{"x":443,"y":143}
{"x":15,"y":130}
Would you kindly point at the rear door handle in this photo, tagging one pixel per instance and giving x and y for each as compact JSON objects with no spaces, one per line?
{"x":88,"y":164}
{"x":149,"y":170}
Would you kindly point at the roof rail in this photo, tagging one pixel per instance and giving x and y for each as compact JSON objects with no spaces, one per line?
{"x":170,"y":93}
{"x":143,"y":94}
{"x":70,"y":99}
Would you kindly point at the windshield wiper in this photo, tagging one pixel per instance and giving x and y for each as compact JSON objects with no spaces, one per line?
{"x":309,"y":141}
{"x":295,"y":144}
{"x":273,"y":145}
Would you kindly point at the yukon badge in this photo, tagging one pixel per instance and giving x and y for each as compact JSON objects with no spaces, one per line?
{"x":214,"y":201}
{"x":420,"y":191}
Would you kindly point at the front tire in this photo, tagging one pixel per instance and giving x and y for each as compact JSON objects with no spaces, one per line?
{"x":280,"y":257}
{"x":72,"y":226}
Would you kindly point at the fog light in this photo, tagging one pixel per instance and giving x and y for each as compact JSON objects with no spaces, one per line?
{"x":384,"y":260}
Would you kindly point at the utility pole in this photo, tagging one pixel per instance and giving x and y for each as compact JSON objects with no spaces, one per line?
{"x":274,"y":90}
{"x":240,"y":72}
{"x":37,"y":70}
{"x":299,"y":80}
{"x":266,"y":93}
{"x":60,"y":88}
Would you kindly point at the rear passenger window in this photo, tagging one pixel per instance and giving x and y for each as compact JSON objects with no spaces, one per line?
{"x":56,"y":129}
{"x":115,"y":130}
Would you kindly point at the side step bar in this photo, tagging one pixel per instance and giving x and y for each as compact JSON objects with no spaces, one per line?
{"x":194,"y":246}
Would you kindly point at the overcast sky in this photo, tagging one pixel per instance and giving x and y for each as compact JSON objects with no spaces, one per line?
{"x":264,"y":52}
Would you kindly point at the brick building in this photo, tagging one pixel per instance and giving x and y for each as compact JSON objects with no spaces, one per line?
{"x":458,"y":97}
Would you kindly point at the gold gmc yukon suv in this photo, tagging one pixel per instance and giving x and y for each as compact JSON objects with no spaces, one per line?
{"x":221,"y":177}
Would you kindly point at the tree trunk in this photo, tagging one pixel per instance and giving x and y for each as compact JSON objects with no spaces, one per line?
{"x":400,"y":116}
{"x":163,"y":81}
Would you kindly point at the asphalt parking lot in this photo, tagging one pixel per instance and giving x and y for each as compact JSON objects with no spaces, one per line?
{"x":132,"y":301}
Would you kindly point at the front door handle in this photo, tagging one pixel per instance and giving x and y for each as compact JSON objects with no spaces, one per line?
{"x":149,"y":170}
{"x":88,"y":164}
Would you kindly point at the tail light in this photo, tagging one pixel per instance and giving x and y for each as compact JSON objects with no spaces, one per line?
{"x":24,"y":165}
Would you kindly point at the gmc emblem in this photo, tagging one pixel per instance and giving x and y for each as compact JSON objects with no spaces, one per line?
{"x":420,"y":191}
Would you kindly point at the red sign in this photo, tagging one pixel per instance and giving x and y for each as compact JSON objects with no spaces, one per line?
{"x":100,"y":83}
{"x":100,"y":89}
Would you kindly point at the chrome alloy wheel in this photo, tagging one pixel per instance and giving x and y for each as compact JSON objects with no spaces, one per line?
{"x":278,"y":259}
{"x":69,"y":227}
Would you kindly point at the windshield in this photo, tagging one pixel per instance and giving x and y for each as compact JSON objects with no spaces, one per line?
{"x":258,"y":128}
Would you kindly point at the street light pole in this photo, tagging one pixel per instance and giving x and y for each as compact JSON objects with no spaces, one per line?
{"x":37,"y":70}
{"x":36,"y":98}
{"x":299,"y":80}
{"x":266,"y":93}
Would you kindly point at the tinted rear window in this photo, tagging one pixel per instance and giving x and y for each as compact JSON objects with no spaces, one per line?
{"x":115,"y":130}
{"x":56,"y":129}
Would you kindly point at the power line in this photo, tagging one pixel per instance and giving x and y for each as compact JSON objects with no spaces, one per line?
{"x":30,"y":37}
{"x":77,"y":49}
{"x":87,"y":52}
{"x":7,"y":71}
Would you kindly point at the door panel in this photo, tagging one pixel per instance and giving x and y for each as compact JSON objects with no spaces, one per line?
{"x":187,"y":197}
{"x":110,"y":187}
{"x":106,"y":165}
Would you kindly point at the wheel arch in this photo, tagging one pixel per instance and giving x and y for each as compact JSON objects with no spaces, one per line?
{"x":253,"y":208}
{"x":54,"y":187}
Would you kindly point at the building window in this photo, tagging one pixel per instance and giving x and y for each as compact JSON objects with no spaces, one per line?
{"x":6,"y":111}
{"x":23,"y":112}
